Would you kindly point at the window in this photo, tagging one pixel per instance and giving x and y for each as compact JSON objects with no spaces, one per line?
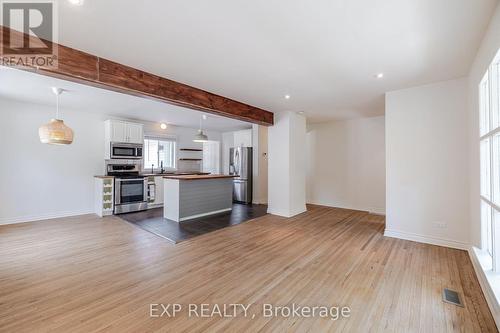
{"x":489,"y":143}
{"x":158,"y":150}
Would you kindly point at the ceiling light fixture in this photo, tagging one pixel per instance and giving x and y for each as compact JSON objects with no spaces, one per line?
{"x":201,"y":137}
{"x":379,"y":75}
{"x":76,"y":2}
{"x":56,"y":132}
{"x":287,"y":96}
{"x":163,"y":126}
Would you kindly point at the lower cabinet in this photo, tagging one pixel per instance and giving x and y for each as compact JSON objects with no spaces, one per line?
{"x":159,"y":191}
{"x":103,"y":196}
{"x":158,"y":195}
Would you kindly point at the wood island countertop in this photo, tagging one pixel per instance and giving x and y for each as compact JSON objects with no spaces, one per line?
{"x":197,"y":177}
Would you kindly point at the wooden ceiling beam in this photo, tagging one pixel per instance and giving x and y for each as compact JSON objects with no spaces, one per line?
{"x":77,"y":66}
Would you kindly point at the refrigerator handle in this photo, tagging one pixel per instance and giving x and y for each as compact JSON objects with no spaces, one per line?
{"x":237,"y":162}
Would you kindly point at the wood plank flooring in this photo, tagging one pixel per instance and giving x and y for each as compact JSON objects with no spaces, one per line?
{"x":86,"y":274}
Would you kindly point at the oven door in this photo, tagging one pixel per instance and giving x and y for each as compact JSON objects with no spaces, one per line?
{"x":130,"y":190}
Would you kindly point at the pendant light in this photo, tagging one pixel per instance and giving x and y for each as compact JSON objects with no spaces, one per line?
{"x":56,"y":132}
{"x":201,"y":137}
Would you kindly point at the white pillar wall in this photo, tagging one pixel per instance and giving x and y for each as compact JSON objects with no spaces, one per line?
{"x":259,"y":144}
{"x":287,"y":165}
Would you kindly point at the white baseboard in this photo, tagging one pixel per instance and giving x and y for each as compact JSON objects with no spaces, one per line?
{"x":426,"y":239}
{"x":377,"y":211}
{"x":485,"y":286}
{"x":32,"y":218}
{"x":371,"y":210}
{"x":286,"y":213}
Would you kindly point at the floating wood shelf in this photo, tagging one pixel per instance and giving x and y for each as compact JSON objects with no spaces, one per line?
{"x":190,"y":159}
{"x":191,"y":149}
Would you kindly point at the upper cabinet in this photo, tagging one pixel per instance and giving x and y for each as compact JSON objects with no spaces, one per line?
{"x":117,"y":131}
{"x":243,"y":138}
{"x":122,"y":131}
{"x":135,"y":133}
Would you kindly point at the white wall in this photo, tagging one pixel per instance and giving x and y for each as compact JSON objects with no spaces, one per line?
{"x":487,"y":51}
{"x":45,"y":181}
{"x":427,"y":163}
{"x":346,"y":164}
{"x":286,"y":165}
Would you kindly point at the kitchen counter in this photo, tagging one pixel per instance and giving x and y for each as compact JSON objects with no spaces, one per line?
{"x":165,"y":174}
{"x":191,"y":196}
{"x":173,"y":174}
{"x":197,"y":177}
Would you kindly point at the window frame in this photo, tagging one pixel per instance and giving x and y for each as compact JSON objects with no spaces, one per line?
{"x":489,"y":134}
{"x":164,"y":139}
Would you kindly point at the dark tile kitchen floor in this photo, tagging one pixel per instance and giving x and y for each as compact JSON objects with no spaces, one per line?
{"x":152,"y":220}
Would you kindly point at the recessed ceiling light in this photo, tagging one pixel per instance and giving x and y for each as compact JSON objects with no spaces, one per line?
{"x":76,"y":2}
{"x":301,"y":112}
{"x":379,"y":75}
{"x":287,"y":96}
{"x":163,"y":126}
{"x":204,"y":117}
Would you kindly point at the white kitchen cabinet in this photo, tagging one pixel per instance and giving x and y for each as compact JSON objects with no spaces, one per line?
{"x":159,"y":191}
{"x":134,"y":133}
{"x":123,"y":131}
{"x":118,"y":131}
{"x":104,"y":195}
{"x":243,"y":138}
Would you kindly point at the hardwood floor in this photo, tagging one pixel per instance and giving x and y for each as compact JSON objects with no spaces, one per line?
{"x":86,"y":274}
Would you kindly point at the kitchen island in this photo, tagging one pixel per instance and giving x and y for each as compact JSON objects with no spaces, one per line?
{"x":190,"y":196}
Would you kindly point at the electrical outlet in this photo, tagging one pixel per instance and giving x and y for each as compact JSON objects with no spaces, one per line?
{"x":440,"y":224}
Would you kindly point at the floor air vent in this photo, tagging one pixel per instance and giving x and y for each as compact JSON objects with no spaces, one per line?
{"x":452,"y":297}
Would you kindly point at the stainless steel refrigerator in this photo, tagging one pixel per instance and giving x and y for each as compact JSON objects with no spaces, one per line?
{"x":240,"y":164}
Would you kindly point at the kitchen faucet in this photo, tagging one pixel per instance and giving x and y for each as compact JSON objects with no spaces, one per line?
{"x":161,"y":167}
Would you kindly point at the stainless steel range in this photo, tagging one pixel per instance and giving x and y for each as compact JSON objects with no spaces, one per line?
{"x":131,"y":189}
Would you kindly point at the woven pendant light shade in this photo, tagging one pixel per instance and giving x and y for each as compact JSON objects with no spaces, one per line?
{"x":55,"y":133}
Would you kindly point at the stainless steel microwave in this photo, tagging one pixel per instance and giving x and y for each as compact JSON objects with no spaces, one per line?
{"x":126,"y":150}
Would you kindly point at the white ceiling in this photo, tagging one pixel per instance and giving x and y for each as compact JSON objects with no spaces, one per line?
{"x":324,"y":53}
{"x":35,"y":88}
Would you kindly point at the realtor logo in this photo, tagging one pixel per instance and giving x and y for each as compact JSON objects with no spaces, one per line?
{"x":30,"y":29}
